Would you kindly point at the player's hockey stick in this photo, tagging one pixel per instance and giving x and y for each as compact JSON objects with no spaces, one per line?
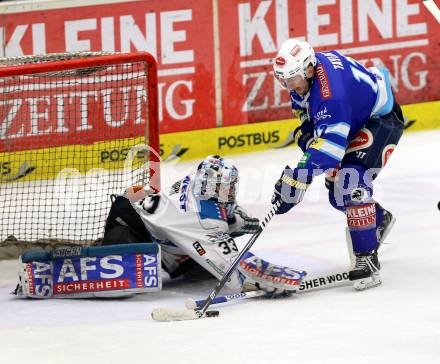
{"x":164,"y":314}
{"x":193,"y":304}
{"x":325,"y":281}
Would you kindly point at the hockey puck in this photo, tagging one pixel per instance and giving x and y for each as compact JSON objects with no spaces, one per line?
{"x":438,"y":205}
{"x":212,"y":313}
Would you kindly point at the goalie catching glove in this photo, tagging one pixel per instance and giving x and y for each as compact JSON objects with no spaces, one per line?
{"x":241,"y":223}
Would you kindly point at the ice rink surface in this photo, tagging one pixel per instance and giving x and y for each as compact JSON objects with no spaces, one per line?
{"x":397,"y":322}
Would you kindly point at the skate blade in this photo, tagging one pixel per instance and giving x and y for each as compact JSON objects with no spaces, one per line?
{"x":366,"y":283}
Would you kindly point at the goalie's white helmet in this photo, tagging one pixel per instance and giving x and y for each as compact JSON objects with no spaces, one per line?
{"x":216,"y":178}
{"x":292,"y":59}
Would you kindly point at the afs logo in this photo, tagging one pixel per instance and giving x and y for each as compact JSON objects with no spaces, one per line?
{"x":198,"y":247}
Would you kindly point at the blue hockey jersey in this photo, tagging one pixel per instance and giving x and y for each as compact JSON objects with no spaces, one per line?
{"x":343,"y":96}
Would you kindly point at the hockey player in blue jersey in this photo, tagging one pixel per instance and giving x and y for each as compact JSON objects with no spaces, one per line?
{"x":350,"y":124}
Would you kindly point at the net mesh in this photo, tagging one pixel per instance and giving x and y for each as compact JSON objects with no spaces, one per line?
{"x":69,"y":139}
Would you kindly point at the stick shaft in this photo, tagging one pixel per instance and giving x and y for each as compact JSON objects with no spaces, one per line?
{"x":234,"y":264}
{"x":226,"y":298}
{"x":321,"y":282}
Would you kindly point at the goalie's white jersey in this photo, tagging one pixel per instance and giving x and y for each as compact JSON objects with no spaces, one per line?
{"x":184,"y":224}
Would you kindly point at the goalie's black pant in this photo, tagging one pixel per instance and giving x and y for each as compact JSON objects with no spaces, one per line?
{"x":124,"y":226}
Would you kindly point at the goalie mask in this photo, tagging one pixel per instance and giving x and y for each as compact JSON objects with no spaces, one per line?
{"x":216,"y":178}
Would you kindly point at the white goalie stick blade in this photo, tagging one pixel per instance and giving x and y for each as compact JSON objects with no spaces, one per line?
{"x":166,"y":314}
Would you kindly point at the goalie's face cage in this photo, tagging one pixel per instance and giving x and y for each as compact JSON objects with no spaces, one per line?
{"x":216,"y":178}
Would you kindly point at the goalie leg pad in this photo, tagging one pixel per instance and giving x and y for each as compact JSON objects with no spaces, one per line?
{"x":269,"y":275}
{"x":110,"y":271}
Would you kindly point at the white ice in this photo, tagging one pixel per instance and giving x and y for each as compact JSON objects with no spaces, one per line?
{"x":397,"y":322}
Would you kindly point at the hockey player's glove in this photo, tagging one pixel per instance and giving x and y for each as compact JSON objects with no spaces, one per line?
{"x":241,"y":223}
{"x":304,"y":134}
{"x":290,"y":188}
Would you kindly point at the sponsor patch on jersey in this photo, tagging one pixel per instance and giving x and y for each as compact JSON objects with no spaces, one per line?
{"x":280,"y":61}
{"x":212,"y":210}
{"x":183,"y":198}
{"x":304,"y":159}
{"x":361,"y":217}
{"x":386,"y":153}
{"x":175,"y":188}
{"x":363,"y":140}
{"x":198,"y":247}
{"x":326,"y":92}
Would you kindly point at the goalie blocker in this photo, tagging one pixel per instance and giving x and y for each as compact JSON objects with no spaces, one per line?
{"x":76,"y":272}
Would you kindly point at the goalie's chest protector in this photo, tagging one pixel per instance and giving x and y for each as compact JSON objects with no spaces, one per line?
{"x":183,"y":219}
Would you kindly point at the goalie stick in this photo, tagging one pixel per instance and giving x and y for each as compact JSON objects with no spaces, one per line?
{"x":163,"y":314}
{"x":321,"y":282}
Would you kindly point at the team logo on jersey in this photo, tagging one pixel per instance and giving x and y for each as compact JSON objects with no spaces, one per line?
{"x":326,"y":93}
{"x":198,"y":247}
{"x":295,"y":50}
{"x":363,"y":139}
{"x":280,"y":61}
{"x":386,"y":153}
{"x":322,"y":115}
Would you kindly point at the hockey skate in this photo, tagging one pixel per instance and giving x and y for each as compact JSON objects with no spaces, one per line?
{"x":365,"y":273}
{"x":385,"y":226}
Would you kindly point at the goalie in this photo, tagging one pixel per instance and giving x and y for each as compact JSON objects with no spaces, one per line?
{"x":195,"y":225}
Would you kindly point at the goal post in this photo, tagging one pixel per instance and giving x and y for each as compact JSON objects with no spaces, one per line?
{"x":75,"y":128}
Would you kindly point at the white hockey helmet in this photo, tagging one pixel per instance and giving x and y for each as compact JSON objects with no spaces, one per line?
{"x":293,"y":58}
{"x":216,"y":178}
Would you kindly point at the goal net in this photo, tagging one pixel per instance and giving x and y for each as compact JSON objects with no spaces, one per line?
{"x":75,"y":128}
